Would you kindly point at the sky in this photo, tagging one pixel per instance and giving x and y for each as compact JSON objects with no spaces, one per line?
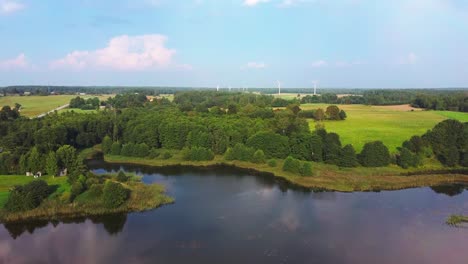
{"x":238,"y":43}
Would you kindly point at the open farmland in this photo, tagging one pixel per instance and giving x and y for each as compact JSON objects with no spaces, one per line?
{"x":32,"y":106}
{"x":390,"y":124}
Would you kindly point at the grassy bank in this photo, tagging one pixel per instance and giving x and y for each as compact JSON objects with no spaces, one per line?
{"x":324,"y":175}
{"x":142,"y":197}
{"x":457,"y":220}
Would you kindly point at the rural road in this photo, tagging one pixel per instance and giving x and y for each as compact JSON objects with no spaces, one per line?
{"x":53,"y":110}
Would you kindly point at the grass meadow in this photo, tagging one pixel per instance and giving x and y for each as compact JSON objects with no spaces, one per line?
{"x":390,"y":124}
{"x":32,"y":106}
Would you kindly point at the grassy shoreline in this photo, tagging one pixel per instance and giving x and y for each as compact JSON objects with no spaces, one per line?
{"x":325,"y":176}
{"x":143,"y":197}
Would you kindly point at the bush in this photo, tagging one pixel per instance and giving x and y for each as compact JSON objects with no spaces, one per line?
{"x":239,"y":152}
{"x":128,"y":150}
{"x":292,"y":165}
{"x":407,"y":159}
{"x":116,"y":148}
{"x":95,"y":190}
{"x":121,"y":177}
{"x":114,"y":194}
{"x":258,"y":157}
{"x":197,"y":154}
{"x":374,"y":154}
{"x":76,"y":189}
{"x":154,"y":153}
{"x":28,"y":196}
{"x":141,"y":150}
{"x":167,"y":155}
{"x":272,"y":163}
{"x":306,"y":169}
{"x":272,"y":144}
{"x":348,"y":157}
{"x":106,"y":145}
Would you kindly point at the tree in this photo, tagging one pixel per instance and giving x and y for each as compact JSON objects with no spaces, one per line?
{"x":348,"y":157}
{"x":106,"y":144}
{"x":114,"y":194}
{"x":292,"y":165}
{"x":319,"y":114}
{"x":258,"y":157}
{"x":115,"y":148}
{"x":28,"y":196}
{"x":51,"y":164}
{"x":343,"y":115}
{"x":272,"y":144}
{"x":448,"y":139}
{"x":306,"y":169}
{"x":332,"y":148}
{"x":34,"y":160}
{"x":407,"y":159}
{"x":333,"y":112}
{"x":374,"y":154}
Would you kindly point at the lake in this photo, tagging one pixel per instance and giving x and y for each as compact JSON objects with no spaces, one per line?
{"x":224,"y":215}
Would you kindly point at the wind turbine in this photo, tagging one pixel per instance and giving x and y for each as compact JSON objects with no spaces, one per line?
{"x":279,"y":87}
{"x":315,"y":87}
{"x":229,"y":87}
{"x":217,"y":88}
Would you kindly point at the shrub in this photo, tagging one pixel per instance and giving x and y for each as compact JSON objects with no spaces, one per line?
{"x":348,"y":157}
{"x":116,"y":148}
{"x":28,"y":196}
{"x":239,"y":152}
{"x":106,"y":144}
{"x":95,"y":190}
{"x":306,"y":169}
{"x":154,"y":153}
{"x":128,"y":150}
{"x":272,"y":144}
{"x":374,"y":154}
{"x":121,"y":177}
{"x":197,"y":154}
{"x":114,"y":194}
{"x":76,"y":189}
{"x":258,"y":157}
{"x":141,"y":150}
{"x":407,"y":159}
{"x":292,"y":165}
{"x":272,"y":163}
{"x":167,"y":155}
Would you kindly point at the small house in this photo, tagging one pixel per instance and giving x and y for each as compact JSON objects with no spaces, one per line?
{"x":29,"y":174}
{"x":63,"y":172}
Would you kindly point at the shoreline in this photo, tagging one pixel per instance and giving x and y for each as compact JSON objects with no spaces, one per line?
{"x":342,"y":180}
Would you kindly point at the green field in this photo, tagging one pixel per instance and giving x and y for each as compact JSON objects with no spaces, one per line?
{"x":32,"y":106}
{"x":390,"y":124}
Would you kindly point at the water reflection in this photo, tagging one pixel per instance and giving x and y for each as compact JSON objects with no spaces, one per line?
{"x":450,"y":190}
{"x":113,"y":224}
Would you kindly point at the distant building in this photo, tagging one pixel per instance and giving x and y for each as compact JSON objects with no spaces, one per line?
{"x":82,"y":93}
{"x":27,"y":93}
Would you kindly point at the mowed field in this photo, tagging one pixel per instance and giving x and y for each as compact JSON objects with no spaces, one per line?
{"x":390,"y":124}
{"x":32,"y":106}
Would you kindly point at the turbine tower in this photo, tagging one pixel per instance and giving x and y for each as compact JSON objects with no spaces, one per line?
{"x":217,"y":88}
{"x":229,"y":87}
{"x":279,"y":87}
{"x":315,"y":87}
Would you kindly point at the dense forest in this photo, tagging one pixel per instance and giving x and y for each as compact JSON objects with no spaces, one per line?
{"x":202,"y":124}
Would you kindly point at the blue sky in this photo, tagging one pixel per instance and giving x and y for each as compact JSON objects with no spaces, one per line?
{"x":252,"y":43}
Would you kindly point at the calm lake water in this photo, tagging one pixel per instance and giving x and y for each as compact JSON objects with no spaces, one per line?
{"x":223,"y":215}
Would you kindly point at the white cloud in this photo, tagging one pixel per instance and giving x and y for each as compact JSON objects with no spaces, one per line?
{"x":124,"y":53}
{"x":319,"y":64}
{"x":254,"y":2}
{"x":255,"y":65}
{"x":20,"y":62}
{"x":8,"y":6}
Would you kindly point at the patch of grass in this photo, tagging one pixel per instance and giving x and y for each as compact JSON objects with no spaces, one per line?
{"x":32,"y":106}
{"x":391,"y":125}
{"x":457,"y":220}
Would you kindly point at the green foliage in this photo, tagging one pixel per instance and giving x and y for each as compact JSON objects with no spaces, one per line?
{"x":449,"y":141}
{"x":116,"y":148}
{"x":106,"y":145}
{"x":374,"y":154}
{"x":67,"y":158}
{"x":407,"y":159}
{"x":121,"y":177}
{"x":258,"y":157}
{"x":34,"y":160}
{"x":272,"y":144}
{"x":292,"y":165}
{"x":51,"y":166}
{"x":128,"y":150}
{"x":28,"y":196}
{"x":333,"y":112}
{"x":167,"y":155}
{"x":239,"y":152}
{"x":343,"y":115}
{"x":76,"y":189}
{"x":198,"y":154}
{"x":114,"y":194}
{"x":348,"y":157}
{"x":331,"y":148}
{"x":306,"y":169}
{"x":272,"y":163}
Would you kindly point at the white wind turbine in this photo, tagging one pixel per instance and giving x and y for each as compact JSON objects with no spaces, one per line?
{"x":315,"y":87}
{"x":217,"y":88}
{"x":279,"y":87}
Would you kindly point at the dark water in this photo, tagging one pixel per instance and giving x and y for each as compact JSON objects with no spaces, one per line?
{"x":226,"y":216}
